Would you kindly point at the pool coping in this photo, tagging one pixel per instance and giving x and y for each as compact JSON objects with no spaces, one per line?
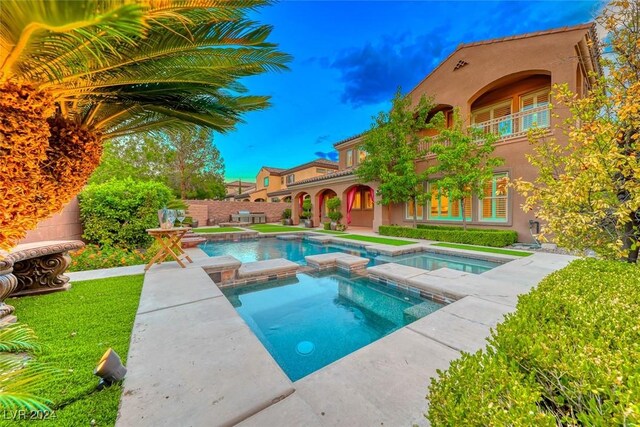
{"x":382,"y":249}
{"x":382,"y":382}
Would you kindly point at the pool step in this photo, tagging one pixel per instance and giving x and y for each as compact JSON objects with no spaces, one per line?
{"x":262,"y":271}
{"x":340,"y":260}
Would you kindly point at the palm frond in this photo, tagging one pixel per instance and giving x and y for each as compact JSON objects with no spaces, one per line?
{"x":34,"y":33}
{"x":16,"y":338}
{"x":19,"y":376}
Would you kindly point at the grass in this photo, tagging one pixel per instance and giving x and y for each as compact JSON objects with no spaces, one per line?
{"x":274,"y":228}
{"x":216,"y":229}
{"x":381,"y":240}
{"x":483,"y":249}
{"x":74,"y":329}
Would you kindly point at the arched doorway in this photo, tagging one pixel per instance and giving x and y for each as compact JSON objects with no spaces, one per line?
{"x":358,"y":201}
{"x":321,"y":203}
{"x":296,"y":205}
{"x":287,"y":199}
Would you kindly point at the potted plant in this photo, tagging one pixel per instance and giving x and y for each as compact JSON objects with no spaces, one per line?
{"x":306,"y":214}
{"x":286,"y":217}
{"x":333,"y":205}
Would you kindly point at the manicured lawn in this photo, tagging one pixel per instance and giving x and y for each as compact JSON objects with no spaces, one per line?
{"x":216,"y":229}
{"x":330,"y":231}
{"x":74,"y":329}
{"x":483,"y":249}
{"x":274,"y":228}
{"x":373,"y":239}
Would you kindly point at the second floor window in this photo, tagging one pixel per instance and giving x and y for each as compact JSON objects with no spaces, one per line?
{"x":349,"y":158}
{"x":291,"y":179}
{"x":265,"y":181}
{"x":361,"y":156}
{"x":535,"y":102}
{"x":488,"y":118}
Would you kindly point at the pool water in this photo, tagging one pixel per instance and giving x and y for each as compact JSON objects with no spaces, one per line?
{"x":310,"y":321}
{"x":296,"y":250}
{"x":271,"y":247}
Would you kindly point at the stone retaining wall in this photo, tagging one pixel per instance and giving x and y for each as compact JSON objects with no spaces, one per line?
{"x":218,"y":211}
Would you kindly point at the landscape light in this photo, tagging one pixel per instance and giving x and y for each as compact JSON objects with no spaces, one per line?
{"x":110,"y":369}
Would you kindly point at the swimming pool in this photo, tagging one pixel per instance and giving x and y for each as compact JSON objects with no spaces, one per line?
{"x":310,"y":321}
{"x":295,"y":250}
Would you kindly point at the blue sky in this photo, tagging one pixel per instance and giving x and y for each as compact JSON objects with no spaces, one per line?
{"x":349,"y":59}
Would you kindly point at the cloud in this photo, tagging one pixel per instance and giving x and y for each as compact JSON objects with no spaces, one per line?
{"x":321,"y":139}
{"x":371,"y":73}
{"x":329,"y":155}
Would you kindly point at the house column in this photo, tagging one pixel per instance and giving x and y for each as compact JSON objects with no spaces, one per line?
{"x":380,"y":213}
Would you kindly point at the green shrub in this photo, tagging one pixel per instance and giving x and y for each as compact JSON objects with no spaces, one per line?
{"x":495,"y":238}
{"x":117,"y":213}
{"x":327,"y":225}
{"x":94,"y":257}
{"x":333,"y":205}
{"x":456,"y":227}
{"x":569,"y":355}
{"x":286,"y":214}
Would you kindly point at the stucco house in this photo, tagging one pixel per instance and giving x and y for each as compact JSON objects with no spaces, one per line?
{"x":501,"y":85}
{"x":272,"y":184}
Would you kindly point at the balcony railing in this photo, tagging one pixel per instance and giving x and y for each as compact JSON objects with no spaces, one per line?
{"x":516,"y":124}
{"x":507,"y":127}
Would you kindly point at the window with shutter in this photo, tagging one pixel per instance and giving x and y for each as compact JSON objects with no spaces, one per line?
{"x":493,"y":206}
{"x":442,"y":208}
{"x":408,"y":211}
{"x":493,"y":114}
{"x":539,"y":118}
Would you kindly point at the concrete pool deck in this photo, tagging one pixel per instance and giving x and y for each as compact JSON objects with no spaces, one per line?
{"x":194,"y":361}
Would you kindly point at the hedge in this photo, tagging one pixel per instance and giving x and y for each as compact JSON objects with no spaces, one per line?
{"x":117,"y":213}
{"x":495,"y":238}
{"x":569,"y":355}
{"x":455,"y":227}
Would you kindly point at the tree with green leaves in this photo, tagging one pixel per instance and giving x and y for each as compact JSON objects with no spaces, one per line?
{"x":196,"y":164}
{"x":587,"y":191}
{"x":464,"y":163}
{"x":393,"y":144}
{"x":186,"y":160}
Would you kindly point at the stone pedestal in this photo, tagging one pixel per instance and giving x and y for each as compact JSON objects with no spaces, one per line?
{"x":41,"y":275}
{"x":8,"y":284}
{"x":39,"y":267}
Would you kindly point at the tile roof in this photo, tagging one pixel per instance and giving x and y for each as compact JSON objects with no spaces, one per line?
{"x":317,"y":162}
{"x":285,"y":192}
{"x":351,"y":138}
{"x":275,"y":171}
{"x":331,"y":175}
{"x":244,"y":183}
{"x":528,"y":35}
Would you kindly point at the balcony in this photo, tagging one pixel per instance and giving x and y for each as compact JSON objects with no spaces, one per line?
{"x":507,"y":127}
{"x":516,"y":124}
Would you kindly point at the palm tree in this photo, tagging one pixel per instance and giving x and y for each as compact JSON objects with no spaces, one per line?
{"x":109,"y":68}
{"x":20,"y":375}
